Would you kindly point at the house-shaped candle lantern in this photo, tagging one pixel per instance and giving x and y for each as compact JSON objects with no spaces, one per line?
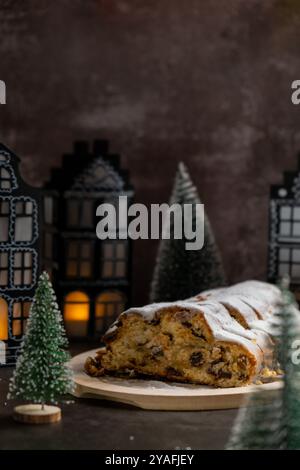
{"x":19,"y":253}
{"x":284,"y":230}
{"x":54,"y":229}
{"x":91,"y":277}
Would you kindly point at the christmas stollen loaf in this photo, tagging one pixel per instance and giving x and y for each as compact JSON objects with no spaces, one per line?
{"x":202,"y":340}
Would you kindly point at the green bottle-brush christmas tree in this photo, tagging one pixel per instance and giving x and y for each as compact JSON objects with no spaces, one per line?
{"x":180,"y":273}
{"x":271,"y":419}
{"x":41,"y":374}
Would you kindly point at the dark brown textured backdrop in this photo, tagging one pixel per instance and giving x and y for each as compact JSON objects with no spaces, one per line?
{"x":203,"y":81}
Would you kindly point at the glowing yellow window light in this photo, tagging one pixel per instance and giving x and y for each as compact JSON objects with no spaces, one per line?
{"x":109,"y":303}
{"x":76,"y":313}
{"x":3,"y":320}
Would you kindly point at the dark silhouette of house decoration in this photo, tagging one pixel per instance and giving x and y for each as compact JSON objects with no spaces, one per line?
{"x":284,"y":230}
{"x":91,"y":276}
{"x":19,"y":249}
{"x":54,"y":229}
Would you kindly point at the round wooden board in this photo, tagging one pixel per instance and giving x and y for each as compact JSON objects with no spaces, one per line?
{"x":34,"y":414}
{"x":156,"y":395}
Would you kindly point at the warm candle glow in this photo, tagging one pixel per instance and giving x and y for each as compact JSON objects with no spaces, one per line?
{"x":76,"y":313}
{"x":109,"y":303}
{"x":3,"y":320}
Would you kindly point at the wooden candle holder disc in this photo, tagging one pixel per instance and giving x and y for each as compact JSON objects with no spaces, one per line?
{"x":34,"y":414}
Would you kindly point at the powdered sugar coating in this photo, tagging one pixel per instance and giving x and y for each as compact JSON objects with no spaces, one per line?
{"x":262,"y":292}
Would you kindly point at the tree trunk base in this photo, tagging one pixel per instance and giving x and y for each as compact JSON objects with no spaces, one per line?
{"x":34,"y":414}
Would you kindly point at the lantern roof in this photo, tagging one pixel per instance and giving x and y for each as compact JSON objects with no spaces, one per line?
{"x":290,"y":187}
{"x":90,"y":170}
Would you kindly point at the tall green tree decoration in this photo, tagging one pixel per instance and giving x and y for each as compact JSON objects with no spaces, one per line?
{"x":41,"y":374}
{"x":181,"y":273}
{"x":271,"y":420}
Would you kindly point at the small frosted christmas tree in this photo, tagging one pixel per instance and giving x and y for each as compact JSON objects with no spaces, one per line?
{"x":41,"y":375}
{"x":181,"y":273}
{"x":271,"y":420}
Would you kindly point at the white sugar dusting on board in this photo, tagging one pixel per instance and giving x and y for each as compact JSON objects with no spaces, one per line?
{"x":148,"y":384}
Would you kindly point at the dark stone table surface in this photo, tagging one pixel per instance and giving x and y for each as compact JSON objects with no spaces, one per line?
{"x":97,"y":424}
